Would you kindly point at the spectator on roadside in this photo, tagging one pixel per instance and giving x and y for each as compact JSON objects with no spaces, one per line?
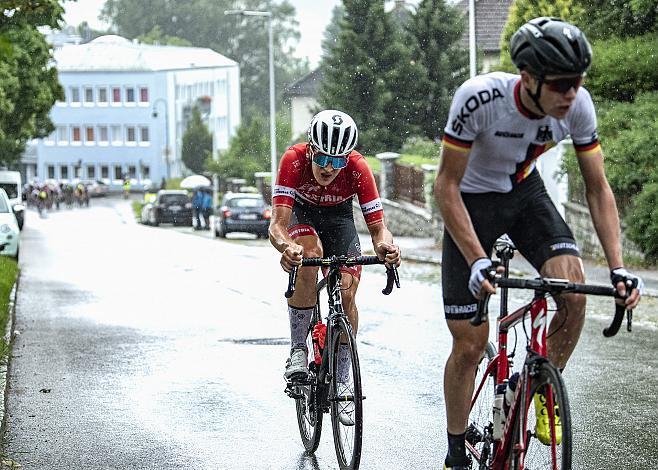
{"x":206,"y":206}
{"x":163,"y":183}
{"x":197,"y":207}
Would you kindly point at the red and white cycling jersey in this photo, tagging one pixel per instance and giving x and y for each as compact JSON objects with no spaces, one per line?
{"x":295,"y":180}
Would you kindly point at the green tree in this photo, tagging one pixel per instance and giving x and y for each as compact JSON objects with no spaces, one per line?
{"x":249,"y":150}
{"x":436,"y":29}
{"x":28,"y":80}
{"x":367,"y":72}
{"x":601,"y":19}
{"x":523,"y":11}
{"x":156,"y":36}
{"x":203,"y":24}
{"x":197,"y":143}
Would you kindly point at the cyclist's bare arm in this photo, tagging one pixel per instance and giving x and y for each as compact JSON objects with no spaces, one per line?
{"x":291,"y":252}
{"x":382,"y":242}
{"x":453,"y":211}
{"x":604,"y":212}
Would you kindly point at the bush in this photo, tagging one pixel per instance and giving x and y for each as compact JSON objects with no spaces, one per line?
{"x":629,"y":136}
{"x":421,"y":146}
{"x":624,"y":68}
{"x":642,"y":221}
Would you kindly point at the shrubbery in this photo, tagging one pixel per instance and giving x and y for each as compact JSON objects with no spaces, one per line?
{"x":624,"y":68}
{"x":642,"y":221}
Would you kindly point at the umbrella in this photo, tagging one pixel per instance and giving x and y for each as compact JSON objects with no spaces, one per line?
{"x":194,"y":181}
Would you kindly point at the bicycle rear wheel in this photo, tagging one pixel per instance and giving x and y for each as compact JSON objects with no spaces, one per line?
{"x":309,"y":408}
{"x":557,"y":453}
{"x":479,"y":436}
{"x":346,"y":397}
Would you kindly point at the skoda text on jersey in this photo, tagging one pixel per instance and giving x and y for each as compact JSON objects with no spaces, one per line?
{"x":488,"y":120}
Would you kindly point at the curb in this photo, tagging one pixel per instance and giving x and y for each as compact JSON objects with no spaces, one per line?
{"x":4,"y":364}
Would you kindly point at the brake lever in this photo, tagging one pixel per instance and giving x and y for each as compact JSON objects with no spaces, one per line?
{"x":392,"y":277}
{"x":292,"y":279}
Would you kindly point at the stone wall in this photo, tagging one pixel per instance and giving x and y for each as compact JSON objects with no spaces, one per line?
{"x":402,"y":219}
{"x":580,"y":221}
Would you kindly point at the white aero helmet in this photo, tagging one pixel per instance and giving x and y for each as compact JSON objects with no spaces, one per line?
{"x":333,"y":133}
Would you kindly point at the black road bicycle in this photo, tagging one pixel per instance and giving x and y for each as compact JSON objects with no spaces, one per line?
{"x":323,"y":392}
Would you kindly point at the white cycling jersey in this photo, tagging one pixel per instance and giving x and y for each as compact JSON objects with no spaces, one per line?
{"x":504,"y":139}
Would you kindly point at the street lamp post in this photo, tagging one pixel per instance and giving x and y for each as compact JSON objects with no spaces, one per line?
{"x":155,"y":115}
{"x":268,"y":15}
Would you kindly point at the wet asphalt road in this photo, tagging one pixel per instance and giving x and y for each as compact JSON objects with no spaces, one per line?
{"x":156,"y":348}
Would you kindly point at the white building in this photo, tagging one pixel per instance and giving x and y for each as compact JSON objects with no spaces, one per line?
{"x":127,"y":106}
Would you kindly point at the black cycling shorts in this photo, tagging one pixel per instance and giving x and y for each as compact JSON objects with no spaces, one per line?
{"x":527,"y":215}
{"x":333,"y":225}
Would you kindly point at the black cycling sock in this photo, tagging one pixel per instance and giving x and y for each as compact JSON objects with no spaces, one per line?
{"x":456,"y":450}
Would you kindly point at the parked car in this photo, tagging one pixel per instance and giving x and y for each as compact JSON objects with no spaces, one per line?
{"x":242,"y":212}
{"x":170,"y":206}
{"x":10,"y":234}
{"x":10,"y":181}
{"x":96,"y":188}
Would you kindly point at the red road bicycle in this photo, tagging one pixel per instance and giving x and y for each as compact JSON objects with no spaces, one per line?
{"x":501,"y":432}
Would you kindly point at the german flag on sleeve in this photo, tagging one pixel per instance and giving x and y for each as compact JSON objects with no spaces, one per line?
{"x":457,"y":144}
{"x":587,"y":149}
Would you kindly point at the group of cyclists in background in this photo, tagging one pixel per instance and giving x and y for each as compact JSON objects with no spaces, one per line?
{"x":55,"y":194}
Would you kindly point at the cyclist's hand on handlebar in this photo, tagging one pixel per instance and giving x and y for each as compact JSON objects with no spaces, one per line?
{"x":620,"y":277}
{"x":479,"y":281}
{"x":292,"y":256}
{"x":388,"y":252}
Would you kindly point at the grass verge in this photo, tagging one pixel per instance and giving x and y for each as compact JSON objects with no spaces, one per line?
{"x":8,"y":276}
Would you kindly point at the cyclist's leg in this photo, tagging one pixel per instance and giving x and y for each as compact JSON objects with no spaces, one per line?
{"x":543,"y":238}
{"x":468,"y":346}
{"x":568,"y":323}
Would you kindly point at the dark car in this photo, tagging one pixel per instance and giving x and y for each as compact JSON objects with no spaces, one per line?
{"x":242,"y":212}
{"x":171,"y":206}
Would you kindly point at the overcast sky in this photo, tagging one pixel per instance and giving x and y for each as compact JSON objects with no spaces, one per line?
{"x":313,"y":17}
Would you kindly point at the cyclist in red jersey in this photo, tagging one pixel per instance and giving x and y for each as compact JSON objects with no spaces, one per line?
{"x":312,"y":217}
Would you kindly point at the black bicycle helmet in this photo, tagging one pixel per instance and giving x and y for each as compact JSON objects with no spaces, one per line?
{"x":550,"y":46}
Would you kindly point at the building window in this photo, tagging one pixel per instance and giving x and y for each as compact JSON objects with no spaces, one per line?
{"x":64,"y":172}
{"x":105,"y":171}
{"x":102,"y":134}
{"x":89,"y":95}
{"x":89,"y":134}
{"x":51,"y":171}
{"x":117,"y":137}
{"x":144,"y":134}
{"x":74,"y":93}
{"x":132,"y":171}
{"x":62,"y":135}
{"x":143,"y":94}
{"x":130,"y":95}
{"x":91,"y":172}
{"x":75,"y":134}
{"x":146,"y":172}
{"x":102,"y":96}
{"x":116,"y":95}
{"x":131,"y":136}
{"x":50,"y":138}
{"x":118,"y":174}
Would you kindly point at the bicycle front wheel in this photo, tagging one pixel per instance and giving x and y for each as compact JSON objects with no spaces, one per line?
{"x":547,"y":435}
{"x":346,"y":398}
{"x":479,"y":437}
{"x":309,"y":408}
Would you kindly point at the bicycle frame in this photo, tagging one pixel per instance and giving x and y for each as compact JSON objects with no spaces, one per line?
{"x":537,"y":352}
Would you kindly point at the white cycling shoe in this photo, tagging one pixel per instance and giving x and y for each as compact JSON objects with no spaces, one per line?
{"x":296,"y":365}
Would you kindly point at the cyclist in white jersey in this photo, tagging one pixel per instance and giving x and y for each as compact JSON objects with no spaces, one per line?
{"x":487,"y":185}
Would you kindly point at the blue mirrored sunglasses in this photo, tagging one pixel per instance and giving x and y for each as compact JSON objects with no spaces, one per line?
{"x":323,"y":160}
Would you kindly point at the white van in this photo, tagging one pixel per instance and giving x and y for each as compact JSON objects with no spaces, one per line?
{"x":10,"y":181}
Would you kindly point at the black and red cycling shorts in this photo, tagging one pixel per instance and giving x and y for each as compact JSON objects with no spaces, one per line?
{"x":527,"y":215}
{"x":333,"y":225}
